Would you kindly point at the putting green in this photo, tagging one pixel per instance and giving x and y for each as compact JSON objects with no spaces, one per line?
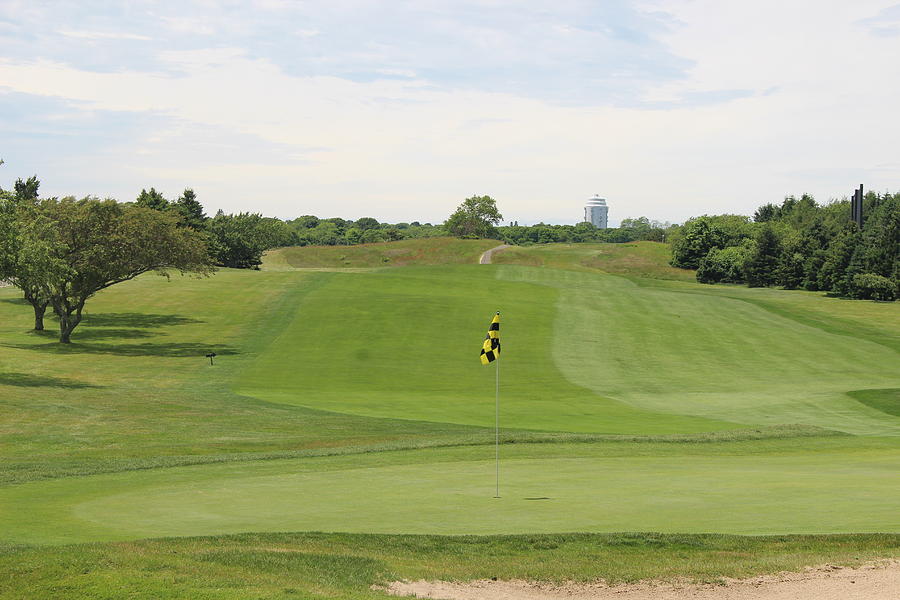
{"x":546,"y":488}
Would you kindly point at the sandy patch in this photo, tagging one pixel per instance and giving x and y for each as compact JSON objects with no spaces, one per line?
{"x":880,"y":581}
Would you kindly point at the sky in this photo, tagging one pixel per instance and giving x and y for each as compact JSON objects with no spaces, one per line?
{"x":399,"y":110}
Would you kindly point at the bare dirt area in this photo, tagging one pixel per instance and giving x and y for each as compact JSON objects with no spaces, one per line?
{"x":878,"y":581}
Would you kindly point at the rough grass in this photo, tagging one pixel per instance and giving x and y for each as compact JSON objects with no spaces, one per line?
{"x":424,"y":251}
{"x":635,"y":259}
{"x":318,"y":565}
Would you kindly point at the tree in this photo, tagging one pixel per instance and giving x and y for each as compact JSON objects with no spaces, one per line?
{"x":474,"y":218}
{"x":366,"y":223}
{"x":695,"y":239}
{"x":84,"y":246}
{"x":17,"y":266}
{"x":238,"y":241}
{"x":766,"y":212}
{"x":189,"y":210}
{"x":760,"y":268}
{"x":724,"y":265}
{"x":152,"y":199}
{"x":27,"y":190}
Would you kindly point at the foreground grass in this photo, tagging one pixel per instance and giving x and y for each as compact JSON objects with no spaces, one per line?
{"x":314,"y":565}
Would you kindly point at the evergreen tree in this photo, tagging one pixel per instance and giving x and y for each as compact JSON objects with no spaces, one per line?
{"x":152,"y":199}
{"x":760,"y":269}
{"x":28,"y":189}
{"x":189,"y":210}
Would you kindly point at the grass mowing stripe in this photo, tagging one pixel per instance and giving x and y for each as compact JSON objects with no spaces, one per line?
{"x":710,"y":356}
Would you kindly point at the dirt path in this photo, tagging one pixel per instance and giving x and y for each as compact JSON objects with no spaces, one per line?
{"x":879,"y":581}
{"x":486,"y":256}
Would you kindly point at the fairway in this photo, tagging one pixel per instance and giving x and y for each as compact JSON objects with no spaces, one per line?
{"x":583,"y":352}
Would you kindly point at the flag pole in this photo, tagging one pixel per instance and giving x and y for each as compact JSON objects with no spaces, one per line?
{"x":497,"y":429}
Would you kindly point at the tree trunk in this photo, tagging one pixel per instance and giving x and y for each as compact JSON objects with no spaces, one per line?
{"x":67,"y":324}
{"x":39,"y":310}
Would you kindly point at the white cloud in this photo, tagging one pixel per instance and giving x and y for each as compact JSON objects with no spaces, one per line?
{"x":103,"y":35}
{"x":817,"y":115}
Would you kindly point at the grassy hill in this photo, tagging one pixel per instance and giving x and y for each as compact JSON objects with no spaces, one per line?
{"x":350,"y":399}
{"x":424,"y":251}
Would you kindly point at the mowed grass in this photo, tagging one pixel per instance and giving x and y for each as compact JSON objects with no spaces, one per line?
{"x":353,"y":400}
{"x":827,"y":485}
{"x":582,"y":352}
{"x":424,"y":251}
{"x":404,"y":344}
{"x":135,"y":391}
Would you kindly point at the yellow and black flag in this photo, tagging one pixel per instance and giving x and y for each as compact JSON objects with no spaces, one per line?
{"x":490,"y":349}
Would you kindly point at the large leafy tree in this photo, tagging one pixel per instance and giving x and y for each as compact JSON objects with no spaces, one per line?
{"x":476,"y":217}
{"x":80,"y":247}
{"x":238,"y":241}
{"x":16,"y":268}
{"x":694,"y":241}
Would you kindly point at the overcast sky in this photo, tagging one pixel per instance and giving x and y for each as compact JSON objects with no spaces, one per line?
{"x":401,"y":109}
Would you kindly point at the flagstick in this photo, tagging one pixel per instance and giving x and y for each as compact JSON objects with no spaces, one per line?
{"x":497,"y":428}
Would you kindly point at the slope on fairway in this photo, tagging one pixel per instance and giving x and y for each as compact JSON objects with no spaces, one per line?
{"x":583,"y":352}
{"x":833,"y":485}
{"x":404,"y":343}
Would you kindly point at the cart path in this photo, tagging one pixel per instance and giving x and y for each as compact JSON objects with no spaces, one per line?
{"x":486,"y":256}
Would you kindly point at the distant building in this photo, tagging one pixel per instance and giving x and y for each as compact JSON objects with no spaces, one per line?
{"x":596,"y":211}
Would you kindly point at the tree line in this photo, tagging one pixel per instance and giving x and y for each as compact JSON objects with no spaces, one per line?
{"x":478,"y":217}
{"x":799,"y":244}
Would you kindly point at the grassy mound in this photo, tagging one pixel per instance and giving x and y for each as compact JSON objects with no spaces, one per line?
{"x":636,"y":259}
{"x":425,"y":251}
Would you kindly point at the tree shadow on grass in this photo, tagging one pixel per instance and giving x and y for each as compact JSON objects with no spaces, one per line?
{"x":139,"y":320}
{"x":28,"y":380}
{"x":15,"y":300}
{"x":88,"y":334}
{"x":172,"y":349}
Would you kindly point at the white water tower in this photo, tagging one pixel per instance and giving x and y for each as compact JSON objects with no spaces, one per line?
{"x":596,"y":211}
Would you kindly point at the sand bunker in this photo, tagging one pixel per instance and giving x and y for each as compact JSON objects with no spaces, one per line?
{"x":880,"y":581}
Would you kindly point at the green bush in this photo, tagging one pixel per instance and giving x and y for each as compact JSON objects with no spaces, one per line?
{"x":723,"y":266}
{"x":869,"y":286}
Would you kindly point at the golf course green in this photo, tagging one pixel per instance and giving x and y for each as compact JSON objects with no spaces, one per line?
{"x":347,"y":396}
